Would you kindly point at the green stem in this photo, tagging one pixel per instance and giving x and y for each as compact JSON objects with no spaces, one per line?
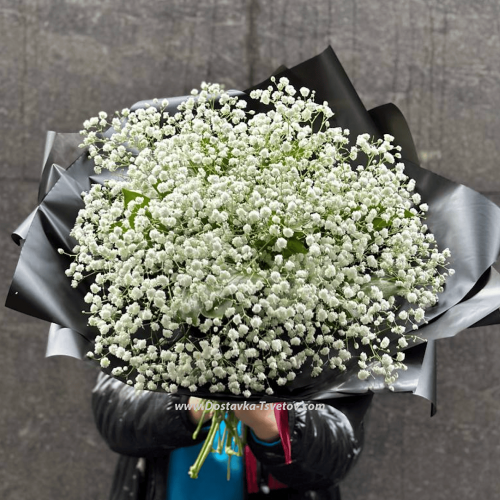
{"x":229,"y":437}
{"x":207,"y":445}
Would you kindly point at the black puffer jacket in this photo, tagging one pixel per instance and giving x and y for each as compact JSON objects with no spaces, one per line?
{"x":145,"y":427}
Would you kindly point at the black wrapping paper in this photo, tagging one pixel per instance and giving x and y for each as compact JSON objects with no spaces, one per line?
{"x":460,"y":218}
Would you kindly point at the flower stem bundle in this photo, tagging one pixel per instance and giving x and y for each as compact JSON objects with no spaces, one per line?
{"x":230,"y":442}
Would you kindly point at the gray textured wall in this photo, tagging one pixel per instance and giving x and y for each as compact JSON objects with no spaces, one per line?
{"x":64,"y":60}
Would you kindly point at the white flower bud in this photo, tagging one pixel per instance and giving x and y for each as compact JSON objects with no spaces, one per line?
{"x":385,"y":343}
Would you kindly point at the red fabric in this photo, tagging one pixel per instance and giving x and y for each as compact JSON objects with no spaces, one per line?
{"x":251,"y":473}
{"x":274,"y":484}
{"x":281,"y":415}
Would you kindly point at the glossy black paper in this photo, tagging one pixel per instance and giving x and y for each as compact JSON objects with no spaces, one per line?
{"x":460,"y":218}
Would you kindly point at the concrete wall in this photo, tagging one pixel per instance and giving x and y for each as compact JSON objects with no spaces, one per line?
{"x":62,"y":61}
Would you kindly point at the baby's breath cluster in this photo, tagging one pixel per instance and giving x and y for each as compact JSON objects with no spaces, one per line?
{"x":250,"y":246}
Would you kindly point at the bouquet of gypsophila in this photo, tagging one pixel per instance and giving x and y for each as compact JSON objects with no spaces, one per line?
{"x":250,"y":246}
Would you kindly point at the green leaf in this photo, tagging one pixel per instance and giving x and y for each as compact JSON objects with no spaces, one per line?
{"x":261,"y":244}
{"x":128,"y":196}
{"x":217,"y":312}
{"x":299,"y":235}
{"x":294,"y":247}
{"x":379,"y":223}
{"x":388,"y":288}
{"x":240,"y":277}
{"x":194,"y":314}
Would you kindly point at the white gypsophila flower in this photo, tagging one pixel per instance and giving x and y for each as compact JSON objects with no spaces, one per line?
{"x":244,"y":244}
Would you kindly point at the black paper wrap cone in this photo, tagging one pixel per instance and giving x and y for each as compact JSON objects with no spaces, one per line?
{"x":461,"y":219}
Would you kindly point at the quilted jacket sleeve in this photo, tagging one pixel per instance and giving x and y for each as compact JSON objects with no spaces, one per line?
{"x":143,"y":424}
{"x":325,"y":444}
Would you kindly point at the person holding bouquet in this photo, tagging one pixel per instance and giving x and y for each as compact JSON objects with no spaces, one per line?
{"x":147,"y":430}
{"x":243,"y":256}
{"x":240,"y":246}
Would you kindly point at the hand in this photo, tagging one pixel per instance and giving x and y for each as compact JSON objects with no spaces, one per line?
{"x":261,"y":421}
{"x":195,"y":415}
